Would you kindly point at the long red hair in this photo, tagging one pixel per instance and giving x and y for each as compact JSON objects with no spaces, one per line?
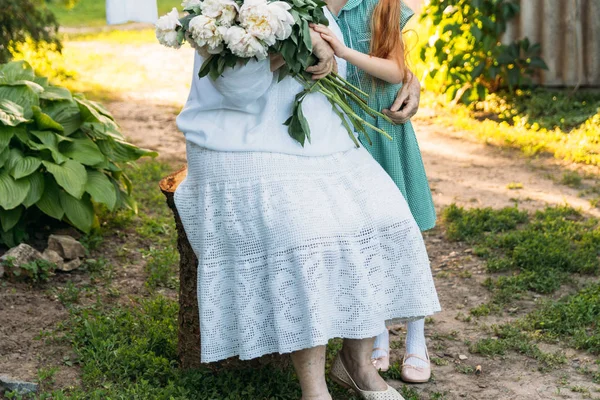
{"x":386,"y":33}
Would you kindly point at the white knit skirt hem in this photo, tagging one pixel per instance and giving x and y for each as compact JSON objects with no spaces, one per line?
{"x":294,"y":251}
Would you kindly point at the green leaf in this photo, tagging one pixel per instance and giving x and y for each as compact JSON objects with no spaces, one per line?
{"x":22,"y":95}
{"x":55,"y":93}
{"x":36,"y":189}
{"x":49,"y":142}
{"x":306,"y":35}
{"x":101,"y":189}
{"x":25,"y":167}
{"x":80,"y":212}
{"x":91,"y":112}
{"x":14,"y":156}
{"x":49,"y":203}
{"x":12,"y":192}
{"x":83,"y":150}
{"x":9,"y":218}
{"x":66,"y":113}
{"x":6,"y":133}
{"x":119,"y":151}
{"x":17,"y":70}
{"x":4,"y":154}
{"x":11,"y":113}
{"x":71,"y":176}
{"x":44,"y":121}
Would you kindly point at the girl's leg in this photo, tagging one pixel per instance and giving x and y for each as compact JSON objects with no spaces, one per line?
{"x":356,"y":356}
{"x":310,"y":368}
{"x":416,"y":344}
{"x":381,"y":347}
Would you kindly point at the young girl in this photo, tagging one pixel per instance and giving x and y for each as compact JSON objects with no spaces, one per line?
{"x":376,"y":64}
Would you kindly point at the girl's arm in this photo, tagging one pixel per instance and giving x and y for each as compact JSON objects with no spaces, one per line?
{"x":384,"y":69}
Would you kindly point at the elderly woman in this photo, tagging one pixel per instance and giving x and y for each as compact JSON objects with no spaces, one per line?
{"x":296,"y":245}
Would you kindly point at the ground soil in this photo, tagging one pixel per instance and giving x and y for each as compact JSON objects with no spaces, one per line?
{"x":463,"y":172}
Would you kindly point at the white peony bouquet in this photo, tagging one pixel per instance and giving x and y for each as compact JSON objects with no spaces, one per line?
{"x":228,"y":32}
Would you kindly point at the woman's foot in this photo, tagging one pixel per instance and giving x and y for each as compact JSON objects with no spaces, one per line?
{"x":341,"y":375}
{"x":416,"y":367}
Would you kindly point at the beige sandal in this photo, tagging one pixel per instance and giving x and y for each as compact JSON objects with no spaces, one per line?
{"x":340,"y":375}
{"x":413,"y":374}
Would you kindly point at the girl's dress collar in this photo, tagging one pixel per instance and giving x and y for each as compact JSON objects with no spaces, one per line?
{"x":351,"y":4}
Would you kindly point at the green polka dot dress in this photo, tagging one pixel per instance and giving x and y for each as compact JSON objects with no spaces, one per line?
{"x":401,"y":158}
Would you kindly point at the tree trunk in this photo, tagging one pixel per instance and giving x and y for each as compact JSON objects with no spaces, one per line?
{"x":189,"y":323}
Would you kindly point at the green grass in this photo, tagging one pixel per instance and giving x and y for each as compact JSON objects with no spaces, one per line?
{"x":536,"y":252}
{"x":92,"y":13}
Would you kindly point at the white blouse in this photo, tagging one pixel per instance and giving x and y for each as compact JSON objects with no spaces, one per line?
{"x":245,"y":108}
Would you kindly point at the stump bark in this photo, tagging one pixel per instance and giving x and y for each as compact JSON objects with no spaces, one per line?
{"x":189,"y":322}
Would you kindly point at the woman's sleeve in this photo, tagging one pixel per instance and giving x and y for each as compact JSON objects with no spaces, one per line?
{"x":245,"y":83}
{"x":406,"y":14}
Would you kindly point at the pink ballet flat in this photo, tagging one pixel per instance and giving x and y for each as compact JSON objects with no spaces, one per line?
{"x":381,"y":363}
{"x":412,"y":374}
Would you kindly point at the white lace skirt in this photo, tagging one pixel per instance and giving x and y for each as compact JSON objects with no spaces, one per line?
{"x":294,"y":251}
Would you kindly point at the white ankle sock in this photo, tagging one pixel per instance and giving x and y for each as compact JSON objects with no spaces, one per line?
{"x":381,"y":347}
{"x":415,"y":343}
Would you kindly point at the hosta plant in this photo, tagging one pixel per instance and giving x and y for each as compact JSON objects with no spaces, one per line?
{"x":60,"y":154}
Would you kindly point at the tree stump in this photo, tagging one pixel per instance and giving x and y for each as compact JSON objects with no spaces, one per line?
{"x":189,"y":321}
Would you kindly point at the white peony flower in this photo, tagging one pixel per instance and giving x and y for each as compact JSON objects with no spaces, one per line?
{"x":258,"y":20}
{"x":283,"y":19}
{"x":166,"y":29}
{"x":243,"y":44}
{"x":202,"y":50}
{"x":206,"y":33}
{"x":224,"y":11}
{"x":188,"y":4}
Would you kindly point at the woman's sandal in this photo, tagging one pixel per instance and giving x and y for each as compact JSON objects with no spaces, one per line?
{"x":413,"y":374}
{"x":340,"y":375}
{"x":381,"y":363}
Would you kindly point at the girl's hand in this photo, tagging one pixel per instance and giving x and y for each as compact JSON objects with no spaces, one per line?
{"x":338,"y":47}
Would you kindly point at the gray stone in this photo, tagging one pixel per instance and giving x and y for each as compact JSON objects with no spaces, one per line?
{"x":1,"y":270}
{"x":22,"y":254}
{"x":66,"y":246}
{"x":20,"y":387}
{"x":70,"y":265}
{"x":54,"y":258}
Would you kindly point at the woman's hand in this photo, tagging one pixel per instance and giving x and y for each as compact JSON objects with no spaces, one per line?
{"x":407,"y":101}
{"x":339,"y":48}
{"x":323,"y":51}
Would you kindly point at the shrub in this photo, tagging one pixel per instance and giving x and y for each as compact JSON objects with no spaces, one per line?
{"x":59,"y":154}
{"x":464,"y":56}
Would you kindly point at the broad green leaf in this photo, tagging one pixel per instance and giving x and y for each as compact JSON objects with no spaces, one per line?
{"x":97,"y":130}
{"x":90,"y":113}
{"x":4,"y":156}
{"x":49,"y":142}
{"x":11,"y":113}
{"x":55,"y":93}
{"x":71,"y":175}
{"x":36,"y":189}
{"x":101,"y":189}
{"x":12,"y":192}
{"x":25,"y":166}
{"x":123,"y":199}
{"x":65,"y":113}
{"x":9,"y":218}
{"x":22,"y":95}
{"x":6,"y":133}
{"x":14,"y":156}
{"x":42,"y":81}
{"x":119,"y":151}
{"x":17,"y":70}
{"x":80,"y":212}
{"x":49,"y":203}
{"x":44,"y":121}
{"x":83,"y":150}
